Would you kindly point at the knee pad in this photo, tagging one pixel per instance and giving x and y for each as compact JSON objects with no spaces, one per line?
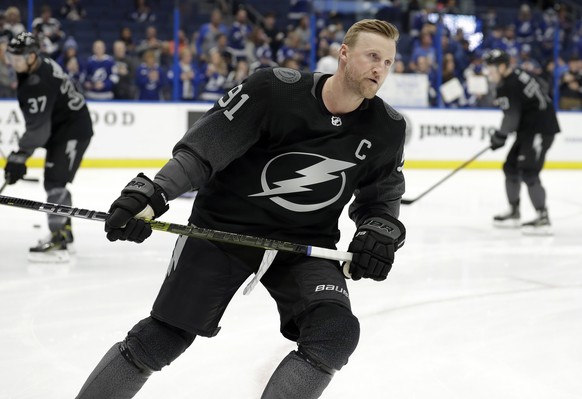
{"x":511,"y":174}
{"x":152,"y":344}
{"x":329,"y":334}
{"x":531,"y":178}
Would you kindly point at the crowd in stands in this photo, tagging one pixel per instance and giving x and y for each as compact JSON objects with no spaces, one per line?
{"x":219,"y":54}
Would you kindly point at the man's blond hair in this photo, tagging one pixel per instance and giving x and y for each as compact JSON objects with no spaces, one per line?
{"x":373,"y":26}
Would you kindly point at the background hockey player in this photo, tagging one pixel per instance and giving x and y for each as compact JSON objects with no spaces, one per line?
{"x":528,"y":111}
{"x":278,"y":156}
{"x":56,"y":119}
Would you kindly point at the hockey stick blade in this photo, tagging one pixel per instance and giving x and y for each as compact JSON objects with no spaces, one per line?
{"x":441,"y":181}
{"x":190,"y":231}
{"x":31,"y":179}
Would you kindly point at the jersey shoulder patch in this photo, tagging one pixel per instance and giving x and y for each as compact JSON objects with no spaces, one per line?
{"x":287,"y":75}
{"x":392,"y":112}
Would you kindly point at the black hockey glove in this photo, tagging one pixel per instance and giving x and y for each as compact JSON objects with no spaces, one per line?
{"x":498,"y":140}
{"x":373,"y":247}
{"x":15,"y":168}
{"x":141,"y":198}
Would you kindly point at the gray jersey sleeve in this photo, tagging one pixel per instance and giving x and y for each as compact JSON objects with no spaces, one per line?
{"x":220,"y":136}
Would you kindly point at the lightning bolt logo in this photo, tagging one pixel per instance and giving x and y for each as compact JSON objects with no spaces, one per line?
{"x":325,"y":170}
{"x":71,"y":151}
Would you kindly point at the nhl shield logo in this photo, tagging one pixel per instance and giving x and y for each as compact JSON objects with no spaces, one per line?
{"x":336,"y":121}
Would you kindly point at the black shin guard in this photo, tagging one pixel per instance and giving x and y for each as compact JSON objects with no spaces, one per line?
{"x":114,"y":378}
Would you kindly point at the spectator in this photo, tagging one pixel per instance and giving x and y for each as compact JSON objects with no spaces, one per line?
{"x":215,"y":77}
{"x":571,"y":86}
{"x":236,"y":77}
{"x":72,"y":10}
{"x":69,"y":51}
{"x":424,"y":49}
{"x":291,"y":49}
{"x":221,"y":48}
{"x":209,"y":33}
{"x":189,"y":76}
{"x":69,"y":61}
{"x":264,"y":60}
{"x":125,"y":69}
{"x":151,"y":43}
{"x":238,"y":35}
{"x":329,"y":63}
{"x":75,"y":72}
{"x":48,"y":30}
{"x":99,"y":78}
{"x":274,"y":34}
{"x":182,"y":43}
{"x":126,"y":36}
{"x":142,"y":12}
{"x":525,"y":26}
{"x":8,"y":82}
{"x":5,"y":33}
{"x":150,"y":78}
{"x":13,"y":23}
{"x":527,"y":62}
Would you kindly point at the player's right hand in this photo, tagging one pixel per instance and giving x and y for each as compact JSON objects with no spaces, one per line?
{"x":15,"y":168}
{"x":140,"y":199}
{"x":373,"y":247}
{"x":498,"y":140}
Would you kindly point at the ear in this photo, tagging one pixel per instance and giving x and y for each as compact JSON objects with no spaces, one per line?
{"x":343,"y":52}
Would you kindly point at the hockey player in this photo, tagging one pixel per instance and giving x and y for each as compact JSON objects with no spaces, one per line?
{"x":278,"y":156}
{"x":56,"y":119}
{"x":528,"y":111}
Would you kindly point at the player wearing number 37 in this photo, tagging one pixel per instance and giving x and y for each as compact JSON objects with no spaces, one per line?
{"x":277,"y":157}
{"x":56,"y":119}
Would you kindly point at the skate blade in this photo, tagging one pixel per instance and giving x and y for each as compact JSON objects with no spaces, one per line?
{"x":507,"y":224}
{"x":60,"y":256}
{"x":543,"y":231}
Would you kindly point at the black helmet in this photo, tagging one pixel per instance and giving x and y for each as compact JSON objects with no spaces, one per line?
{"x":24,"y":43}
{"x":496,"y":57}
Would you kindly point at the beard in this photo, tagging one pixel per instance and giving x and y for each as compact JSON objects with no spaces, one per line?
{"x":362,"y":87}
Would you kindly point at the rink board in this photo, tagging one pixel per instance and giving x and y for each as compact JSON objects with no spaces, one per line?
{"x":133,"y":134}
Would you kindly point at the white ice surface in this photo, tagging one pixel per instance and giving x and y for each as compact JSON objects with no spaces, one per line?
{"x":468,"y":311}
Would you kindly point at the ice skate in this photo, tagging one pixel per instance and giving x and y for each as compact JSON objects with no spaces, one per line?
{"x":540,"y":226}
{"x":51,"y":250}
{"x":69,"y":237}
{"x":509,"y":219}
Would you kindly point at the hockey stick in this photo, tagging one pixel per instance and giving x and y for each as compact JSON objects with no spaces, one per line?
{"x":464,"y":164}
{"x":190,"y":231}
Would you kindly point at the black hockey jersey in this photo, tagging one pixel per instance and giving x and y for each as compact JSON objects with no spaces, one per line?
{"x":526,"y":107}
{"x":278,"y":164}
{"x":51,"y":103}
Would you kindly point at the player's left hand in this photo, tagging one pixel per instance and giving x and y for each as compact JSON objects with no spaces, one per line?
{"x":141,"y":199}
{"x":498,"y":140}
{"x":15,"y":168}
{"x":373,"y":247}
